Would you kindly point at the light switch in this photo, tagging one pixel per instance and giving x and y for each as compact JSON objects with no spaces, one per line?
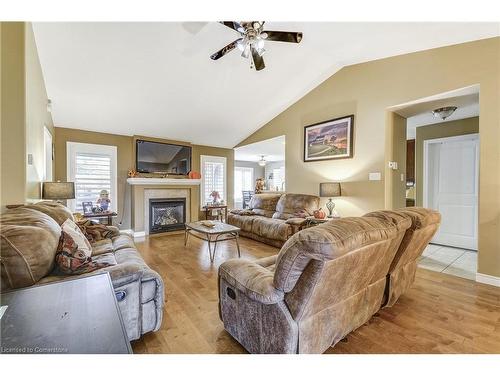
{"x":30,"y":159}
{"x":402,"y":177}
{"x":374,"y":176}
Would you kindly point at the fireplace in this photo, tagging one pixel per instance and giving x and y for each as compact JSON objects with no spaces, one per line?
{"x":166,"y":214}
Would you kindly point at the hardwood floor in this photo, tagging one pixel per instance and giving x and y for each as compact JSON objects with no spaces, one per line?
{"x":440,"y":314}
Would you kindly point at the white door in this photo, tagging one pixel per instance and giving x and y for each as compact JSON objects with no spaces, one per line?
{"x":451,"y":168}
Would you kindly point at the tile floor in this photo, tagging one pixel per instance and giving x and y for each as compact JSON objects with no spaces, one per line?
{"x":450,"y":260}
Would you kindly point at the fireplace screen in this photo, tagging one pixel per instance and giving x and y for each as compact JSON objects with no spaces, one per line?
{"x":166,"y":214}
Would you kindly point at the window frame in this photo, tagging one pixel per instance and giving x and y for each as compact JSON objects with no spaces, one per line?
{"x":214,"y":159}
{"x":72,"y":148}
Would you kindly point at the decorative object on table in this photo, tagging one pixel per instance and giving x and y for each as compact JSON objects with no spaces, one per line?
{"x":208,"y":223}
{"x":330,"y":190}
{"x":87,"y":208}
{"x":215,"y":196}
{"x":194,"y":175}
{"x":332,"y":139}
{"x":104,"y":200}
{"x":58,"y":190}
{"x":319,"y":214}
{"x":96,"y":210}
{"x":132,"y":173}
{"x":259,"y":185}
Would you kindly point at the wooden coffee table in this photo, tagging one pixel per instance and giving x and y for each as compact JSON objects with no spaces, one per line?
{"x":218,"y":233}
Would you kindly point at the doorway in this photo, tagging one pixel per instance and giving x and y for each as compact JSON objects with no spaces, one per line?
{"x":437,"y":163}
{"x":263,"y":161}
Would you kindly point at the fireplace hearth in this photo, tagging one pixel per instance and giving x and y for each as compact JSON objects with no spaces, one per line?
{"x":166,"y":214}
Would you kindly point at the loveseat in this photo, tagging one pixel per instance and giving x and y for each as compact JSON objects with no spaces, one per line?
{"x":273,"y":218}
{"x":325,"y":282}
{"x":29,"y":241}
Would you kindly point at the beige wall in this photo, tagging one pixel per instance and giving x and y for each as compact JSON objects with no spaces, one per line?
{"x":23,"y":115}
{"x":13,"y":173}
{"x":37,"y":117}
{"x":446,"y":129}
{"x":367,"y":91}
{"x":128,"y":196}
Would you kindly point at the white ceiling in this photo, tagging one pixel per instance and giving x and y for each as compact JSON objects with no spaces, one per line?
{"x":156,"y":79}
{"x":419,"y":112}
{"x":272,"y":149}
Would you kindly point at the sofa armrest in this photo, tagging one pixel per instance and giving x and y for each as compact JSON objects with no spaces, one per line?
{"x":253,"y":280}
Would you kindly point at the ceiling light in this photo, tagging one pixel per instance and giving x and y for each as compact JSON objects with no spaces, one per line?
{"x":444,"y":112}
{"x":262,"y":162}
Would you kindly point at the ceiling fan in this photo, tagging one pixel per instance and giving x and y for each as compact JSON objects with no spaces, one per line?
{"x":252,"y":40}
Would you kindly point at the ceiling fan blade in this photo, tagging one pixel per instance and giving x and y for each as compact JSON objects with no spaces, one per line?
{"x":283,"y":36}
{"x":217,"y":55}
{"x":258,"y":61}
{"x":233,"y":25}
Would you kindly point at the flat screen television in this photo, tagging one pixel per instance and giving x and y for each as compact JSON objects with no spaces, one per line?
{"x":162,"y":158}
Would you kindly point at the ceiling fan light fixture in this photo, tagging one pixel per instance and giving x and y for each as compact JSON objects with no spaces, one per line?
{"x":262,"y":161}
{"x":444,"y":112}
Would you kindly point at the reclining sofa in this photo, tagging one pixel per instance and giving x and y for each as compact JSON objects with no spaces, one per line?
{"x":29,"y":240}
{"x":273,"y":218}
{"x":325,"y":282}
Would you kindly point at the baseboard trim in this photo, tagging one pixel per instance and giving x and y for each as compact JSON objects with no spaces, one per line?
{"x":139,"y":234}
{"x":487,"y":279}
{"x":127,"y":231}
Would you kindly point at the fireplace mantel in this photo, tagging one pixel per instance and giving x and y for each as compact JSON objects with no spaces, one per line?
{"x":163,"y":181}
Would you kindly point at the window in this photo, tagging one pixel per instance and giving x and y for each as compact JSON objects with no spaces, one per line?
{"x":277,"y":182}
{"x":243,"y":180}
{"x":92,"y":168}
{"x":213,"y":177}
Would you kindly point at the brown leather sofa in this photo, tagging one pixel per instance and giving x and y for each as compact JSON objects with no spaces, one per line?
{"x":273,"y":218}
{"x":325,"y":282}
{"x":29,"y":240}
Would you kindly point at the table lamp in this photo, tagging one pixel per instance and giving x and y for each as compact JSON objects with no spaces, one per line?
{"x":58,"y":190}
{"x":330,"y":190}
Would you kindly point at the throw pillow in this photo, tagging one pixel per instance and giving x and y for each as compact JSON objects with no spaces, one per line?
{"x":73,"y":254}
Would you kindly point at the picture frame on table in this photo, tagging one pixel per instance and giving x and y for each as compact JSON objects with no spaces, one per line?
{"x":87,"y":208}
{"x":329,"y":140}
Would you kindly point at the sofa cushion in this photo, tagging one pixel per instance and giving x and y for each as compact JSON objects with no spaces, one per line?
{"x":29,"y":242}
{"x":241,"y":221}
{"x":264,"y":204}
{"x":102,"y":247}
{"x":57,"y":211}
{"x":296,"y":205}
{"x":273,"y":229}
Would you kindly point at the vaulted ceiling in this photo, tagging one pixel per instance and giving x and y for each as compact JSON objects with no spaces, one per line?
{"x":156,"y":79}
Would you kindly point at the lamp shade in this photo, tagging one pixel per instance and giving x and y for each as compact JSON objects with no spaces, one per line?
{"x":329,"y":189}
{"x":58,"y":190}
